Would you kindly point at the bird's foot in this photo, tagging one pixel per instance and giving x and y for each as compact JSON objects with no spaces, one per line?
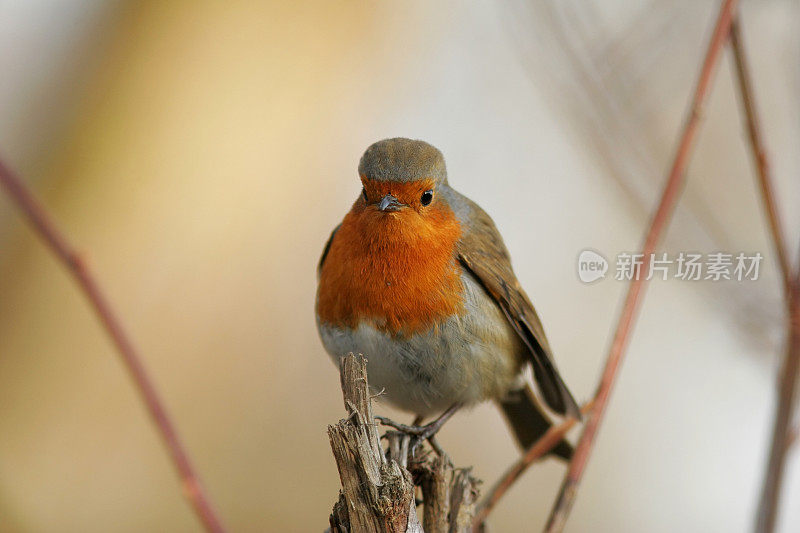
{"x":422,"y":432}
{"x":405,"y":440}
{"x":419,"y":434}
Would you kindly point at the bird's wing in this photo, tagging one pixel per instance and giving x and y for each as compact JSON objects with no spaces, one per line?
{"x":482,"y":253}
{"x":326,"y":250}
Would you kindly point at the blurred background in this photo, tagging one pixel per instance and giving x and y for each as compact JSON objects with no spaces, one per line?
{"x":199,"y":154}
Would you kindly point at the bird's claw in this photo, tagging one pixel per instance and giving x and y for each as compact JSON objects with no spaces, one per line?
{"x":416,"y":434}
{"x":412,"y":431}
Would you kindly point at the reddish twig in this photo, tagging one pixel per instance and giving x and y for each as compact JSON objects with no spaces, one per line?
{"x":659,"y":221}
{"x":55,"y":240}
{"x":760,"y":157}
{"x":782,"y":437}
{"x":537,"y":450}
{"x":792,"y":438}
{"x":781,"y":431}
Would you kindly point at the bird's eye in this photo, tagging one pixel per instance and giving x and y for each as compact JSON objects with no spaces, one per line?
{"x":364,"y":193}
{"x":427,"y":197}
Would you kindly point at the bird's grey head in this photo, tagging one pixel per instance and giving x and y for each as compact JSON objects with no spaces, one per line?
{"x":403,"y":160}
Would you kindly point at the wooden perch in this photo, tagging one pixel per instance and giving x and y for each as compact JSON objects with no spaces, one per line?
{"x":378,"y":492}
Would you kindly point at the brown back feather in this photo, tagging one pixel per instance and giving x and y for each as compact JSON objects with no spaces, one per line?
{"x":482,"y":252}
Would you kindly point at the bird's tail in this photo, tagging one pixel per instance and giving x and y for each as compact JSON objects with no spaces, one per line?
{"x":529,"y":422}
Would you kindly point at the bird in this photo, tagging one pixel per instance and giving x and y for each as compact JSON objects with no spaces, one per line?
{"x":417,"y":278}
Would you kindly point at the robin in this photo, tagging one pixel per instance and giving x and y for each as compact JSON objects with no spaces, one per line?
{"x":418,"y":279}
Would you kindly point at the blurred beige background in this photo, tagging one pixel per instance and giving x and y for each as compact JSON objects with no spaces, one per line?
{"x":201,"y":152}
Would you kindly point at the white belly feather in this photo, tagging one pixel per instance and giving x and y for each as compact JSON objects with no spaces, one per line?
{"x":465,"y":359}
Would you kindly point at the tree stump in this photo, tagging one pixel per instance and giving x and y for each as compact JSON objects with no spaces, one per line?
{"x":378,"y":492}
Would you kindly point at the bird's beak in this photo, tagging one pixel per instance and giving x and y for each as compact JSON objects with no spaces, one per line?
{"x":389,"y":203}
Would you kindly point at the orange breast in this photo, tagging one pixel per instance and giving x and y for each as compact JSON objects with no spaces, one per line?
{"x":397,"y":271}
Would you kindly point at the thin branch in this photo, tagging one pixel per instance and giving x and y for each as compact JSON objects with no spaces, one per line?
{"x":759,"y":157}
{"x":538,"y":449}
{"x":669,"y":197}
{"x":782,"y":433}
{"x":792,"y":438}
{"x":55,"y":240}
